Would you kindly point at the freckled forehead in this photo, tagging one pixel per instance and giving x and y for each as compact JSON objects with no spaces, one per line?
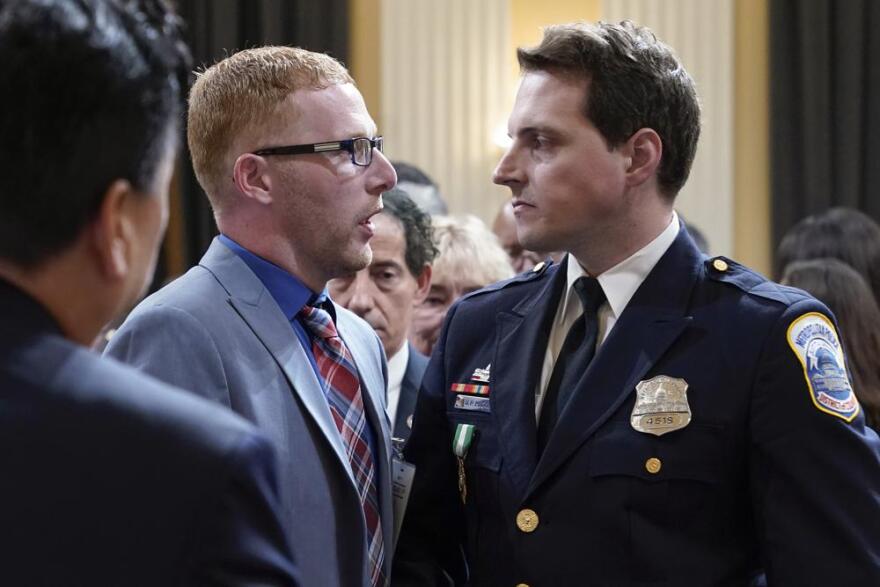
{"x":547,"y":100}
{"x":332,"y":113}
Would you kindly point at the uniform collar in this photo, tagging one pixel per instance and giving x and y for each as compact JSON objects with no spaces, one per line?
{"x":621,"y":281}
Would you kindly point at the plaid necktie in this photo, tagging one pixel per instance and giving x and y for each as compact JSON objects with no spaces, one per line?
{"x":343,"y":391}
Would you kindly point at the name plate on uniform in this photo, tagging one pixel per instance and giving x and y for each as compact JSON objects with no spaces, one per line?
{"x":661,"y":405}
{"x":469,"y":402}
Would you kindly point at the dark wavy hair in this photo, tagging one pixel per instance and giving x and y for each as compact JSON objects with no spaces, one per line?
{"x":417,"y":230}
{"x":847,"y":295}
{"x":90,"y":92}
{"x":840,"y":233}
{"x":635,"y":81}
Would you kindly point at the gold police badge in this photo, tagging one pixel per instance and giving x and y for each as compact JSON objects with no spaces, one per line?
{"x":661,"y":405}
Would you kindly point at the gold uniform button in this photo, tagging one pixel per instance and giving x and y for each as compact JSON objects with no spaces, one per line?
{"x":522,"y":585}
{"x":527,"y":520}
{"x":537,"y":268}
{"x":653,"y":465}
{"x":720,"y":265}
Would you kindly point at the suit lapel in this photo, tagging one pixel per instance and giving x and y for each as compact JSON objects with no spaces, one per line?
{"x":521,"y":339}
{"x":260,"y":311}
{"x":654,"y":318}
{"x":409,"y":389}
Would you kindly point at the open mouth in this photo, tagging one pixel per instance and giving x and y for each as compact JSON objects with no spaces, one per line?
{"x":367,"y":223}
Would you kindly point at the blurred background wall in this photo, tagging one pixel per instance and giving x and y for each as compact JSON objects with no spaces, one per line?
{"x":447,"y":75}
{"x":439,"y":77}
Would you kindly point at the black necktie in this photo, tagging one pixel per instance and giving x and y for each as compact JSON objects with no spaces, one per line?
{"x":574,"y":357}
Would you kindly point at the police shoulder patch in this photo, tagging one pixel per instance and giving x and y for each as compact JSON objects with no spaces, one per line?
{"x":814,"y":340}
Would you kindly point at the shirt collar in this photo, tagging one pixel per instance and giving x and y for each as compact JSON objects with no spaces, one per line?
{"x":288,"y":292}
{"x":397,"y":365}
{"x":621,"y":281}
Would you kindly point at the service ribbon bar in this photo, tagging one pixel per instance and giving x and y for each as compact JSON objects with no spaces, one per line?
{"x":471,"y":388}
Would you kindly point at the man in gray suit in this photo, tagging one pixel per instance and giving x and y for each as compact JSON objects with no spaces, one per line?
{"x":287,"y":153}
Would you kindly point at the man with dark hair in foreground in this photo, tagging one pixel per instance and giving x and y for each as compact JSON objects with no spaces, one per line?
{"x":107,"y":477}
{"x":639,"y":414}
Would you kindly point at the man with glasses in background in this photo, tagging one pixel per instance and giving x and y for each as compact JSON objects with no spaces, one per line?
{"x":287,"y":153}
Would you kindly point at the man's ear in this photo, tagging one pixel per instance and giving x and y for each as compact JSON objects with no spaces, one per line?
{"x":113,"y":231}
{"x":251,"y":177}
{"x":644,"y":149}
{"x":424,"y":285}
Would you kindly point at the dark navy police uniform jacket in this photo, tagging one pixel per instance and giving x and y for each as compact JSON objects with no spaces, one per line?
{"x":775,"y":473}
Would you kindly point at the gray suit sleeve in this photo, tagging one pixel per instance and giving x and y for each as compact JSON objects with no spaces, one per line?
{"x":173,"y":346}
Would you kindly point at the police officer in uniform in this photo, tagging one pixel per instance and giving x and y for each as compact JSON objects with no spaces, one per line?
{"x":638,"y":414}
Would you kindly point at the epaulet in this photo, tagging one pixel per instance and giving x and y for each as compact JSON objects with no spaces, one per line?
{"x":534,"y":273}
{"x":728,"y":271}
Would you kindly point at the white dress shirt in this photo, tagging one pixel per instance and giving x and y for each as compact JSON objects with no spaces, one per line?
{"x":619,"y":284}
{"x":396,"y":370}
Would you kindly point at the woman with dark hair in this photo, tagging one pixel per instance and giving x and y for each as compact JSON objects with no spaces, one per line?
{"x":848,"y":296}
{"x":840,"y":233}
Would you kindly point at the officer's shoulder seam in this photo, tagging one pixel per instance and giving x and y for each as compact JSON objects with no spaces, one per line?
{"x":725,"y":270}
{"x":534,"y":274}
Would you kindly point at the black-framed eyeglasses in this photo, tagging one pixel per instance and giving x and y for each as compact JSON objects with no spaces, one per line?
{"x":360,"y":149}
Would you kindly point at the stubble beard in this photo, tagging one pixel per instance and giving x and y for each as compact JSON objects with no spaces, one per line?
{"x":353,"y":262}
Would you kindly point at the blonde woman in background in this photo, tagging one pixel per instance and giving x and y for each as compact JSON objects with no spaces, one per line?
{"x":469,"y":257}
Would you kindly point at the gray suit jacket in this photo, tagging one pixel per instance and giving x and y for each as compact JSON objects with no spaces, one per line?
{"x":218,"y":332}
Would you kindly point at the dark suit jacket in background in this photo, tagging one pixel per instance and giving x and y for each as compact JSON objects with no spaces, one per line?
{"x":218,"y":332}
{"x":108,"y":477}
{"x":409,"y":391}
{"x":760,"y":479}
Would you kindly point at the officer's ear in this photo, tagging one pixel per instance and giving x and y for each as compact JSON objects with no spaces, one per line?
{"x":643,"y":151}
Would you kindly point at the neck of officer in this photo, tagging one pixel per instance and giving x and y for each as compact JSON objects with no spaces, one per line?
{"x":646,"y":215}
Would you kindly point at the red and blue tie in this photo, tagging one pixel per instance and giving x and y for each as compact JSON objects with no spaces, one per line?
{"x":343,"y":391}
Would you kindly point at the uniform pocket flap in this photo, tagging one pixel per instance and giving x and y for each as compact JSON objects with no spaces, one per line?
{"x":692,"y":453}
